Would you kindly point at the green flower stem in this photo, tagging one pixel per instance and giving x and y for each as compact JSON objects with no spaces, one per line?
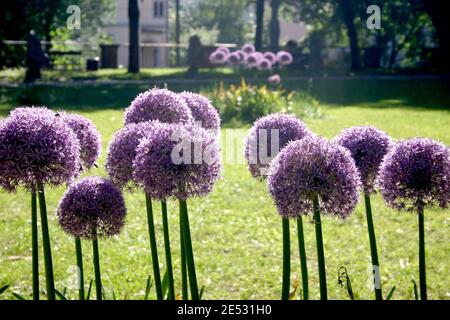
{"x":286,"y":259}
{"x":373,"y":249}
{"x":79,"y":254}
{"x":320,"y":252}
{"x":153,"y":248}
{"x":422,"y":265}
{"x":184,"y":281}
{"x":302,"y":253}
{"x":46,"y":245}
{"x":34,"y":246}
{"x":188,"y":250}
{"x":167,"y":251}
{"x":98,"y":279}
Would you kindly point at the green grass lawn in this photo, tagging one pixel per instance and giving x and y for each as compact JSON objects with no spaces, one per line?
{"x":236,"y":230}
{"x":17,"y":75}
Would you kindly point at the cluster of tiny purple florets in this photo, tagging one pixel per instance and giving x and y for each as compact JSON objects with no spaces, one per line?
{"x":191,"y":174}
{"x":416,"y":174}
{"x":251,"y":58}
{"x":92,"y":208}
{"x":158,"y":104}
{"x":88,"y":136}
{"x":36,"y":146}
{"x":314,"y":166}
{"x":122,"y":151}
{"x":202,"y":110}
{"x":368,"y":147}
{"x":282,"y":126}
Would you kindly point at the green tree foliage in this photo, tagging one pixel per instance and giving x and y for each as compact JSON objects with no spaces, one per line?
{"x":227,"y":16}
{"x":406,"y":28}
{"x":48,"y":18}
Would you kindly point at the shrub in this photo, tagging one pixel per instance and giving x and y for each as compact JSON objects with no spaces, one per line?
{"x":244,"y":103}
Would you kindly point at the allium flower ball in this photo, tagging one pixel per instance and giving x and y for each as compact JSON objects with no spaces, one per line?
{"x":284,"y":58}
{"x":248,"y":48}
{"x":260,"y":148}
{"x":274,"y":79}
{"x":202,"y":110}
{"x":235,"y":58}
{"x":264,"y":64}
{"x":158,"y":104}
{"x":242,"y":55}
{"x":253,"y":59}
{"x":88,"y":136}
{"x":314,"y":166}
{"x":122,"y":151}
{"x":92,"y":208}
{"x":177,"y":161}
{"x":218,"y":57}
{"x":368,"y":147}
{"x":416,"y":174}
{"x":37,"y":146}
{"x":272,"y":57}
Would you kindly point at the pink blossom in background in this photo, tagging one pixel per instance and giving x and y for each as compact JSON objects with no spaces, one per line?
{"x":275,"y":79}
{"x":264,"y":64}
{"x":248,"y":48}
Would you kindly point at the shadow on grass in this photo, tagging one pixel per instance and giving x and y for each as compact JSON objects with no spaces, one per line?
{"x":418,"y":94}
{"x":371,"y":93}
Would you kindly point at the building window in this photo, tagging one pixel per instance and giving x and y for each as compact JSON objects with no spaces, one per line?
{"x":158,"y":9}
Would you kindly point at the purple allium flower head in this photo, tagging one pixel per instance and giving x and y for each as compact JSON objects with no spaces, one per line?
{"x":272,"y":57}
{"x":264,"y":64}
{"x":242,"y":55}
{"x":202,"y":111}
{"x":368,"y":147}
{"x":177,"y":161}
{"x":235,"y":58}
{"x":88,"y":136}
{"x":274,"y":79}
{"x":248,"y":48}
{"x":253,"y":59}
{"x":218,"y":57}
{"x":122,"y":151}
{"x":158,"y":104}
{"x":284,"y":58}
{"x":92,"y":208}
{"x":416,"y":174}
{"x":259,"y":147}
{"x":314,"y":166}
{"x":37,"y":146}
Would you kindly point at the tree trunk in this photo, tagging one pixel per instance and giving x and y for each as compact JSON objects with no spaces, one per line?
{"x":133,"y":48}
{"x":349,"y":16}
{"x":177,"y":31}
{"x":259,"y":24}
{"x":437,"y":13}
{"x":275,"y":26}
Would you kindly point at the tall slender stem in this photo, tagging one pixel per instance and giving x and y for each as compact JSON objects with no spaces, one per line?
{"x":320,"y":252}
{"x":167,"y":251}
{"x":98,"y":279}
{"x":422,"y":265}
{"x":189,"y":252}
{"x":302,"y":253}
{"x":373,"y":249}
{"x":184,"y":281}
{"x":34,"y":246}
{"x":46,"y":245}
{"x":153,"y":248}
{"x":79,"y":254}
{"x":286,"y":259}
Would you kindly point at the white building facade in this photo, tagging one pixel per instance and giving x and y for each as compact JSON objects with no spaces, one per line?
{"x":154,"y":29}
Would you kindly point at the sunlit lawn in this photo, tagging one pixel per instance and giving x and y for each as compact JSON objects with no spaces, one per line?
{"x":236,"y":230}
